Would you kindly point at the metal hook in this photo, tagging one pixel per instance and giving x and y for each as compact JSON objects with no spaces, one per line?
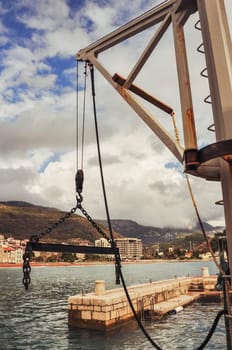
{"x":79,"y":180}
{"x":79,"y":199}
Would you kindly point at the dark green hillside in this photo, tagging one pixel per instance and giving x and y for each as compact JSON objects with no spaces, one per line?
{"x":21,"y":220}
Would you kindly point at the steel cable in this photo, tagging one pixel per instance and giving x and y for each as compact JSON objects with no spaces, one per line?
{"x":118,"y":263}
{"x":212,"y":329}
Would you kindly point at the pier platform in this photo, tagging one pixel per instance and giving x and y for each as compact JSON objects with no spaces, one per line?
{"x":103,"y":309}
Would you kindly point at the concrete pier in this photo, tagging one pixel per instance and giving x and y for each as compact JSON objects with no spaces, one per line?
{"x":106,"y":308}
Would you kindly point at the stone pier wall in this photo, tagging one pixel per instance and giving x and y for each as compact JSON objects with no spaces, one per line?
{"x":105,"y":308}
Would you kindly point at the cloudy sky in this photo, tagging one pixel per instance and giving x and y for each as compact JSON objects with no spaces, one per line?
{"x":38,"y":153}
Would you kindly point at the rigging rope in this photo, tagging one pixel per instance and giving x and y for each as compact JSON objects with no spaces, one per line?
{"x":80,"y":143}
{"x":117,"y":257}
{"x":175,"y":127}
{"x":194,"y":202}
{"x":79,"y":170}
{"x":77,"y":114}
{"x":83,"y":118}
{"x":212,"y":329}
{"x":79,"y":198}
{"x":225,"y":282}
{"x":201,"y":225}
{"x":118,"y":263}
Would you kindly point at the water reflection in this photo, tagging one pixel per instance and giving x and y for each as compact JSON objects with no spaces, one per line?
{"x":37,"y":319}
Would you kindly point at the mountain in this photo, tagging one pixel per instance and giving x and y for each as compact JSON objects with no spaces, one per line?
{"x":22,"y":220}
{"x":152,"y":235}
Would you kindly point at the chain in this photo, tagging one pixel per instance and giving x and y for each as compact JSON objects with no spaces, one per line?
{"x":36,"y":238}
{"x":93,"y":223}
{"x":98,"y":228}
{"x":26,"y":268}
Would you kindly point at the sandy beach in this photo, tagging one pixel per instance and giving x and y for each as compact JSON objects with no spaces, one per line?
{"x":56,"y":264}
{"x":89,"y":263}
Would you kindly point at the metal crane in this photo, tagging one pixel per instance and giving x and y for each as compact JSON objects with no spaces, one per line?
{"x":213,"y":162}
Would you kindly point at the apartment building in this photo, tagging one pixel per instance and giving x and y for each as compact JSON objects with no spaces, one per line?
{"x":129,"y":248}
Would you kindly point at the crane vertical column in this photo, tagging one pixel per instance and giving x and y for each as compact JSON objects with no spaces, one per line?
{"x":190,"y":138}
{"x":218,"y":52}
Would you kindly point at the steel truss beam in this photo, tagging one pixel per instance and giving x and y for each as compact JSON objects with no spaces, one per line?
{"x":214,"y":162}
{"x":68,"y":248}
{"x":175,"y":12}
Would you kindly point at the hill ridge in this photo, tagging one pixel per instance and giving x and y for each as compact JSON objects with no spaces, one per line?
{"x":22,"y":219}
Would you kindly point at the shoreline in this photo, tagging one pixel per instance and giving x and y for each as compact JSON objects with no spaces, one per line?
{"x":95,"y":263}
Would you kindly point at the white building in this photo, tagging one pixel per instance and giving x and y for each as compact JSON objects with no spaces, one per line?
{"x":11,"y":250}
{"x":11,"y":255}
{"x":129,"y":248}
{"x":18,"y":255}
{"x":102,"y":242}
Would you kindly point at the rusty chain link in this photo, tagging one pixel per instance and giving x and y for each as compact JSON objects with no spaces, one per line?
{"x":98,"y":228}
{"x":35,"y":238}
{"x":26,"y":268}
{"x":93,"y":223}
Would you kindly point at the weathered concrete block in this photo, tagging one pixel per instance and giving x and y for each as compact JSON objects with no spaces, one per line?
{"x":120,"y":313}
{"x":97,"y":308}
{"x":106,"y":308}
{"x":82,"y":307}
{"x":86,"y":315}
{"x":101,"y":301}
{"x":103,"y":311}
{"x":101,"y":316}
{"x":88,"y":300}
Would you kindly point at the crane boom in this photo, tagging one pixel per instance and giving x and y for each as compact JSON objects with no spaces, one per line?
{"x":213,"y":162}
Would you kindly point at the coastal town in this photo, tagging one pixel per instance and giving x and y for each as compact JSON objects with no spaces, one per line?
{"x":11,"y":250}
{"x":131,"y":249}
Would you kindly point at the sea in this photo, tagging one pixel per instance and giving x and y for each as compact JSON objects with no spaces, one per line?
{"x":38,"y":318}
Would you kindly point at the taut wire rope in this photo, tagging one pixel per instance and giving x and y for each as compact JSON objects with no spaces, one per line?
{"x":77,"y":115}
{"x":202,"y":226}
{"x":79,"y":184}
{"x":83,"y":118}
{"x":112,"y":241}
{"x":195,"y":203}
{"x":118,"y":263}
{"x":80,"y":143}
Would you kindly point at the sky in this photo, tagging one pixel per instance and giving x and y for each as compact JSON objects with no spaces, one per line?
{"x":39,"y":147}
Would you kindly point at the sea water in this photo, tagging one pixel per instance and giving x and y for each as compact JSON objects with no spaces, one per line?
{"x":37,"y":318}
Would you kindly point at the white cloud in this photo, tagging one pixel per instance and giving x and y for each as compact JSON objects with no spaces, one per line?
{"x":45,"y":15}
{"x":38,"y":118}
